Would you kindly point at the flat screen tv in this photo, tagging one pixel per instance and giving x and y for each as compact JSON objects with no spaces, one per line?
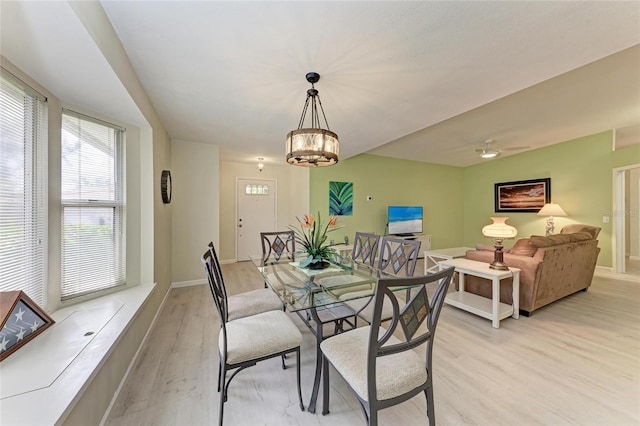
{"x":405,"y":220}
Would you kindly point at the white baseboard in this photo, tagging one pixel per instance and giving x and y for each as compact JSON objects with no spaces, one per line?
{"x":228,"y":261}
{"x":606,"y":272}
{"x":634,"y":257}
{"x":188,"y":283}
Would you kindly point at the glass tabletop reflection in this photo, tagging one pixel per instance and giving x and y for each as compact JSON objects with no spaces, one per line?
{"x":303,"y":288}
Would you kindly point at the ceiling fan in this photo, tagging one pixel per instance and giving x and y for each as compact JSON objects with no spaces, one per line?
{"x":488,"y":151}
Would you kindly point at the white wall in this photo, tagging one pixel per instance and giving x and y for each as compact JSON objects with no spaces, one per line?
{"x":155,"y":226}
{"x":293,"y":198}
{"x":195,"y":204}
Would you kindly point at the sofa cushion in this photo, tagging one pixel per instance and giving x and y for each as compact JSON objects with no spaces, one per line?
{"x":523,"y":247}
{"x":485,"y":247}
{"x":552,"y":240}
{"x":580,"y":236}
{"x":578,"y":227}
{"x":539,"y":241}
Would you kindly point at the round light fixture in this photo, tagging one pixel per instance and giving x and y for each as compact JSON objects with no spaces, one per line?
{"x":488,"y":151}
{"x":312,"y":146}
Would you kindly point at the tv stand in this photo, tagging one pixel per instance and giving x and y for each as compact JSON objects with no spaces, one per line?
{"x":425,"y":241}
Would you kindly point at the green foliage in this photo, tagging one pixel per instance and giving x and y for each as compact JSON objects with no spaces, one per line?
{"x":312,"y":236}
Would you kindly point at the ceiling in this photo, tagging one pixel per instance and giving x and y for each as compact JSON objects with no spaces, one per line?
{"x":428,"y":81}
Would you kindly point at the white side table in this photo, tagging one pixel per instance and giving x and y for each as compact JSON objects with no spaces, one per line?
{"x":433,"y":257}
{"x":492,"y":308}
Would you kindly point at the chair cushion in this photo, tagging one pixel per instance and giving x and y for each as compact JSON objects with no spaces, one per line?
{"x":253,"y":302}
{"x":259,"y":335}
{"x":396,"y":374}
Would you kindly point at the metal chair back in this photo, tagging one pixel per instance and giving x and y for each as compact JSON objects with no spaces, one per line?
{"x":365,"y":248}
{"x":398,"y":256}
{"x":278,"y":244}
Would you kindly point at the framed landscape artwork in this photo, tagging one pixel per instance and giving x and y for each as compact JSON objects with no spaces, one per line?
{"x":523,"y":195}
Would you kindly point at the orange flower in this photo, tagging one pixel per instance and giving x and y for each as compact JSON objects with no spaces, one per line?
{"x":333,"y":221}
{"x":308,"y":221}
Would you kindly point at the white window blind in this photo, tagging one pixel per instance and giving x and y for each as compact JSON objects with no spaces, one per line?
{"x":23,"y":126}
{"x":93,"y":255}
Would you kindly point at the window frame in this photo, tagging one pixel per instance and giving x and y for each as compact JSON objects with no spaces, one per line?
{"x":36,"y":189}
{"x":119,"y":208}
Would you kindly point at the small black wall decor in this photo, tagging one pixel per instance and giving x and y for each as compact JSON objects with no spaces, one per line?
{"x":166,"y":186}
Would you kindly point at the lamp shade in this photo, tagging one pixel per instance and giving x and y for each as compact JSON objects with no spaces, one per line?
{"x":499,"y":229}
{"x":551,"y":209}
{"x":312,"y":147}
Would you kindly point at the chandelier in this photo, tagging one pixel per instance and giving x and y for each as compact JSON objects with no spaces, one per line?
{"x":312,"y":146}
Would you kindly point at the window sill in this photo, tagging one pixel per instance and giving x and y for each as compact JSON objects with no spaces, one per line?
{"x":41,"y":382}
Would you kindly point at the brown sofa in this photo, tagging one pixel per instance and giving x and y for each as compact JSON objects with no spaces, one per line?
{"x":551,"y":267}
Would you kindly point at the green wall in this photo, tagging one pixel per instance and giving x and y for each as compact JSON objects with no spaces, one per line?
{"x":394,"y":182}
{"x":581,"y":182}
{"x":458,"y":202}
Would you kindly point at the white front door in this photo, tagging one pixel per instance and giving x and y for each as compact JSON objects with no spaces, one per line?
{"x":256,"y":213}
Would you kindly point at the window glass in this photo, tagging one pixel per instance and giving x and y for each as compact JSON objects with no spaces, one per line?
{"x":92,"y":206}
{"x":23,"y":118}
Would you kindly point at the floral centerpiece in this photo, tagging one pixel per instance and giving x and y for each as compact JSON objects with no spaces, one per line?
{"x":312,"y":236}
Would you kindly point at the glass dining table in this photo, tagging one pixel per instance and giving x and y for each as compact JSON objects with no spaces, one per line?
{"x":317,"y":296}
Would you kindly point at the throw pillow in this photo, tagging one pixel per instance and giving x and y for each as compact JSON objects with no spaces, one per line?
{"x":577,"y":227}
{"x":551,"y":240}
{"x":523,"y":247}
{"x":580,"y":236}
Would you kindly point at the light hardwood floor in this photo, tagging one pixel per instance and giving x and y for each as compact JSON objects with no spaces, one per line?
{"x":632,"y":266}
{"x":575,"y":362}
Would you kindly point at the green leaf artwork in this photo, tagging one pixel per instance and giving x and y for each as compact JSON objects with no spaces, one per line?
{"x":341,"y":198}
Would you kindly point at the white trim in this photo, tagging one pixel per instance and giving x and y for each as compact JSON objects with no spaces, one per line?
{"x":275,"y":204}
{"x":634,"y":257}
{"x":67,"y":389}
{"x":188,"y":283}
{"x":224,"y":262}
{"x":618,"y":217}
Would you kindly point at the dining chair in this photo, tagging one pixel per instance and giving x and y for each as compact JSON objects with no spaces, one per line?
{"x":278,"y":244}
{"x":397,"y":257}
{"x":379,"y":364}
{"x":365,"y":248}
{"x":244,"y":342}
{"x":248,"y":302}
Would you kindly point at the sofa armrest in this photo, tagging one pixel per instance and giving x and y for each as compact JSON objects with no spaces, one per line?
{"x":530,"y":271}
{"x":513,"y":260}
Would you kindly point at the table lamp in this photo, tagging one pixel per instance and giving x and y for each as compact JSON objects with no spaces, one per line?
{"x":499,"y":231}
{"x":551,"y":210}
